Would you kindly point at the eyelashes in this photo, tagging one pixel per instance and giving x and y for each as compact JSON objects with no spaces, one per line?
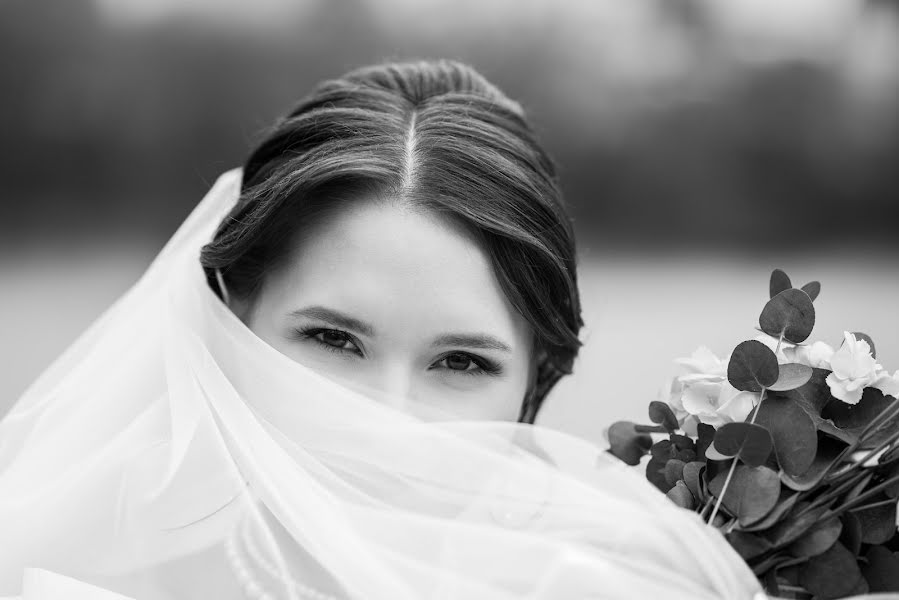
{"x":342,"y":343}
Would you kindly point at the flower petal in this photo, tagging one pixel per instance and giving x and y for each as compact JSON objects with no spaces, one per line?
{"x":839,"y":389}
{"x":888,"y":384}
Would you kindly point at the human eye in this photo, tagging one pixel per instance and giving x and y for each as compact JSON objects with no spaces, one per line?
{"x":462,"y":363}
{"x":332,"y":340}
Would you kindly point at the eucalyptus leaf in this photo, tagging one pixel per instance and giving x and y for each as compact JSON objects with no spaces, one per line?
{"x":812,"y":398}
{"x":681,"y":495}
{"x":818,"y":539}
{"x":663,"y":450}
{"x":682,"y":442}
{"x":854,"y":418}
{"x":793,"y":432}
{"x":655,"y":473}
{"x":712,"y":454}
{"x":851,"y":537}
{"x":791,"y":376}
{"x":785,"y":503}
{"x":693,"y":479}
{"x":832,"y":574}
{"x":751,"y":443}
{"x":812,"y":288}
{"x":661,"y":413}
{"x":752,"y":367}
{"x":881,"y":570}
{"x":791,"y":312}
{"x":878,"y":523}
{"x":829,"y":449}
{"x":626,"y":444}
{"x":705,"y":433}
{"x":794,"y":525}
{"x":751,"y":493}
{"x":748,"y":545}
{"x":778,"y":283}
{"x":674,"y":471}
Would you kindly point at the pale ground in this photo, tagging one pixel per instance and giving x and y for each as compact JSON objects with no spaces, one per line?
{"x":642,"y":312}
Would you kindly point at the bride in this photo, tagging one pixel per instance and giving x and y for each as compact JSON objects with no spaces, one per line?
{"x":325,"y":386}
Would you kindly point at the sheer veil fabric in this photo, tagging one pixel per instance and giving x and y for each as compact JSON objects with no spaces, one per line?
{"x":170,"y":453}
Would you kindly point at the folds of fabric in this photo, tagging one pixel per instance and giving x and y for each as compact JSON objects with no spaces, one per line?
{"x":170,"y":453}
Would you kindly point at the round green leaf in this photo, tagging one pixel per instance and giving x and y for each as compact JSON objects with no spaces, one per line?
{"x":655,"y":473}
{"x":752,"y":366}
{"x":793,"y":431}
{"x":878,"y":523}
{"x":791,"y":376}
{"x":661,"y":413}
{"x":693,"y":478}
{"x":626,"y":443}
{"x":779,"y":282}
{"x":682,"y":442}
{"x":831,"y":574}
{"x":829,"y":449}
{"x":818,"y":539}
{"x":751,"y":493}
{"x":794,"y":524}
{"x":785,"y":503}
{"x":881,"y":570}
{"x":752,"y":443}
{"x":854,"y":418}
{"x":791,"y":312}
{"x":674,"y":471}
{"x":681,"y":496}
{"x":712,"y":454}
{"x":748,"y":545}
{"x":812,"y":288}
{"x":705,"y":433}
{"x":852,"y":532}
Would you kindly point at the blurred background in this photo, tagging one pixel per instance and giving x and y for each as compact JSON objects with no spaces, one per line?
{"x":701,"y":144}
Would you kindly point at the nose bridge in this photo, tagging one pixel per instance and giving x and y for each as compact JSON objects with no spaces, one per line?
{"x":393,"y":384}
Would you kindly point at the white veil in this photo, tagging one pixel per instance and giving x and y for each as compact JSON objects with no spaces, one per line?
{"x":170,"y":453}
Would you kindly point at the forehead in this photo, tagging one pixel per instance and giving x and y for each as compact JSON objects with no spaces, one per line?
{"x":387,"y":261}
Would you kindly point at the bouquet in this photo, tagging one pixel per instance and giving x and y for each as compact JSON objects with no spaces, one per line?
{"x":789,"y":448}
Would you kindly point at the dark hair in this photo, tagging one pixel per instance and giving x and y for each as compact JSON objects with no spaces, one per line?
{"x":436,"y":134}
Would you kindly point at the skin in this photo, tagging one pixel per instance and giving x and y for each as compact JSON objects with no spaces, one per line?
{"x":402,"y":305}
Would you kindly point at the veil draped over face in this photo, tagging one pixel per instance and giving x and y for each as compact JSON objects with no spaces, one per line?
{"x":170,"y":453}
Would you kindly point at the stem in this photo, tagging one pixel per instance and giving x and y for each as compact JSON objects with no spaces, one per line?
{"x":886,"y":502}
{"x":870,"y":493}
{"x":886,"y":414}
{"x":833,"y":493}
{"x":705,"y":508}
{"x":733,"y":466}
{"x":755,"y":413}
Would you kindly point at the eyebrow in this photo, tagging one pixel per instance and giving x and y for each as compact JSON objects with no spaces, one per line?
{"x":481,"y":341}
{"x":336,"y":318}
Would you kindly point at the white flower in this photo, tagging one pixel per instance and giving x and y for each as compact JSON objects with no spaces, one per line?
{"x":888,"y":384}
{"x":854,"y":369}
{"x":701,"y":393}
{"x":817,"y":355}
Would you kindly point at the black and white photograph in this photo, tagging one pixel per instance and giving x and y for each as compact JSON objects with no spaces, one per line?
{"x":449,"y":300}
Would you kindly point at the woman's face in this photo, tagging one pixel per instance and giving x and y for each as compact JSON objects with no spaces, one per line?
{"x":402,"y":305}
